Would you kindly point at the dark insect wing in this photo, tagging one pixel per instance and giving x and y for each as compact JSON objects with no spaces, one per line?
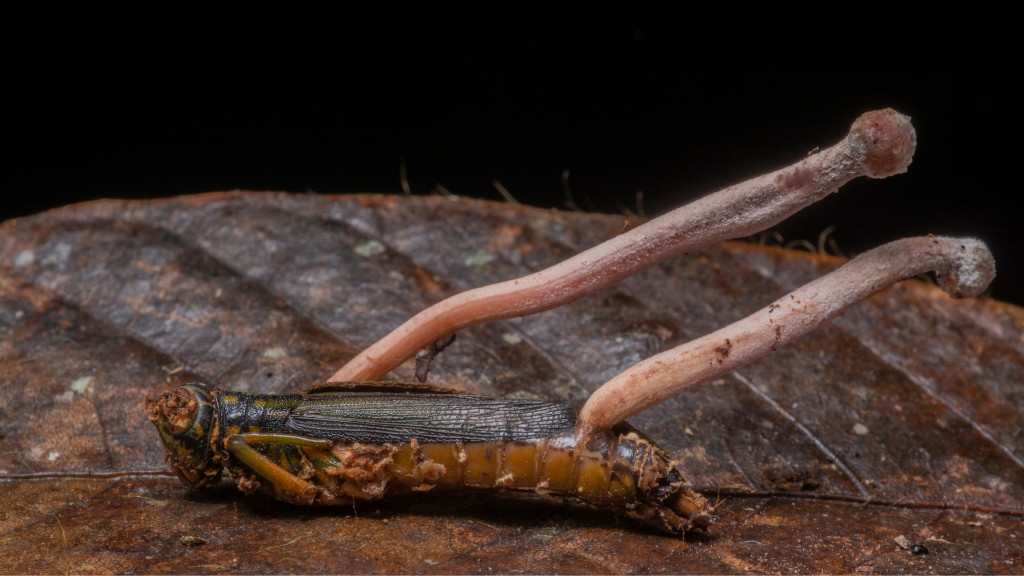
{"x":380,"y":417}
{"x":380,"y":386}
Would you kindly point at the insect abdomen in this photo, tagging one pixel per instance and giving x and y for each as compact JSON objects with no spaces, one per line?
{"x":529,"y":464}
{"x":361,"y":470}
{"x":621,"y":470}
{"x":356,"y":445}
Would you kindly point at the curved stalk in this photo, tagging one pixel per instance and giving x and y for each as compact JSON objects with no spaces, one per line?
{"x":879,"y":144}
{"x":964,"y":268}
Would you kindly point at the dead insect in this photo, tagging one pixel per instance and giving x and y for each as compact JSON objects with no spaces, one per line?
{"x":358,"y":441}
{"x":352,"y":439}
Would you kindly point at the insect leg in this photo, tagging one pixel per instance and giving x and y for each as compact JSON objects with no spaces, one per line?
{"x":279,"y":438}
{"x":285,"y":482}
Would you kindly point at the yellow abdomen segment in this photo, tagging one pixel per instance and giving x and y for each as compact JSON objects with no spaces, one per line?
{"x":551,"y":465}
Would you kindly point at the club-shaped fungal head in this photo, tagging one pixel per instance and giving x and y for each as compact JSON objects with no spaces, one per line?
{"x":184,"y":417}
{"x":888,"y":140}
{"x":970,"y":270}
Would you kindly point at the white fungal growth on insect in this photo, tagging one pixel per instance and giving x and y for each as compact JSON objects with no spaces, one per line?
{"x":879,"y":144}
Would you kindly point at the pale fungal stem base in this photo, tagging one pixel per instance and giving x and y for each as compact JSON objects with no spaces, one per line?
{"x":879,"y":144}
{"x":964,"y":268}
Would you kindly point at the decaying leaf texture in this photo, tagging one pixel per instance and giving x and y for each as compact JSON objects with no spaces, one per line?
{"x":903,"y":417}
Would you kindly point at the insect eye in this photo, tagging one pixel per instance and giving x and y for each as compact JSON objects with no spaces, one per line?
{"x":176,"y":409}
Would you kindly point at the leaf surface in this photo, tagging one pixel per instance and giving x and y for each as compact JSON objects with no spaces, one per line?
{"x":902,"y":417}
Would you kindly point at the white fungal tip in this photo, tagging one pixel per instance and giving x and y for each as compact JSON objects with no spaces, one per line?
{"x":969,"y":270}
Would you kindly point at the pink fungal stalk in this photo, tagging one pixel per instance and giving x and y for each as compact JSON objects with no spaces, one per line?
{"x":879,"y":144}
{"x":964,"y":268}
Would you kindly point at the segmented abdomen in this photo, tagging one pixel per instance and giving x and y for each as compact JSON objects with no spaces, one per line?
{"x":620,"y":469}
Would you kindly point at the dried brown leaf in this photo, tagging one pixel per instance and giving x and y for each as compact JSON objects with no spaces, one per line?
{"x":905,"y":414}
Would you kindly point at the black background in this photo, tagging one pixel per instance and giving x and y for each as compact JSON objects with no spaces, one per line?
{"x":159,"y":101}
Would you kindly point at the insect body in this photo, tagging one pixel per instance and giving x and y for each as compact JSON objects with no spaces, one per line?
{"x":360,"y":441}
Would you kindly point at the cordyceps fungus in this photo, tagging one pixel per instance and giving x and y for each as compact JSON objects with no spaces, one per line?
{"x":879,"y":144}
{"x":964,"y":268}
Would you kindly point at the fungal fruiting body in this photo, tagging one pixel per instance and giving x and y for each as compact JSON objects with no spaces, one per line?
{"x":879,"y":144}
{"x":964,"y":268}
